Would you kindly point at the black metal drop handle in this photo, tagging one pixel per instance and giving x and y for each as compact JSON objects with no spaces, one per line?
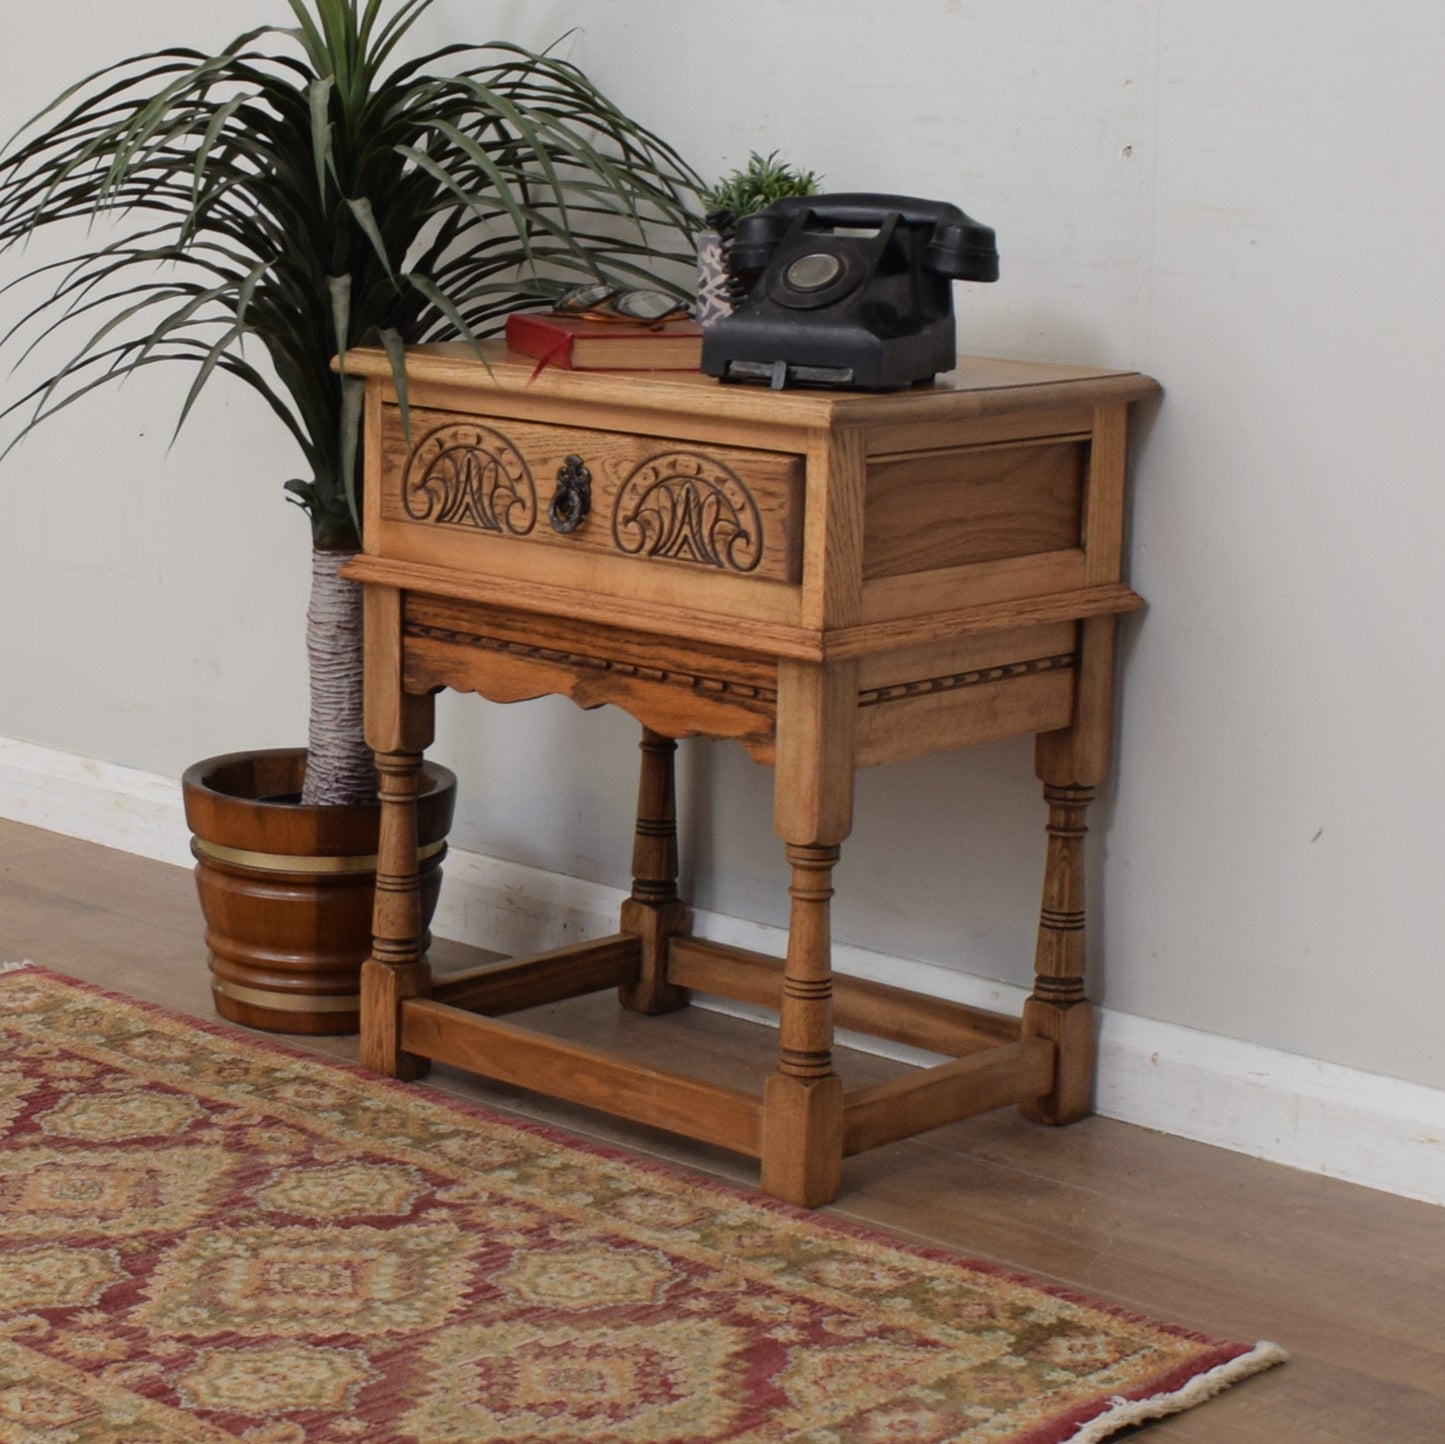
{"x":573,"y":498}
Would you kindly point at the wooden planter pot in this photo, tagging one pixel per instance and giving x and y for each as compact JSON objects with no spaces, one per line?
{"x":287,"y":890}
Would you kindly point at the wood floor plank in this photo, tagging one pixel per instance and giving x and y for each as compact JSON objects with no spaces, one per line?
{"x":1188,"y":1259}
{"x":1349,"y":1280}
{"x":1306,"y":1402}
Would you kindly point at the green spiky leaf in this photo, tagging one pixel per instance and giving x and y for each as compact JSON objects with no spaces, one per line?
{"x":300,"y":191}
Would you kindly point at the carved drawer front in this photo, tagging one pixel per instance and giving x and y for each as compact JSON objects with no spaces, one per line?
{"x":702,"y":509}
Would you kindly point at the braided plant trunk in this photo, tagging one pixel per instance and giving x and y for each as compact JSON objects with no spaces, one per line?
{"x":340,"y":767}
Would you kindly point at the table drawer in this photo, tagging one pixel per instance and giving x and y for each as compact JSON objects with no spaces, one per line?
{"x":694,"y":509}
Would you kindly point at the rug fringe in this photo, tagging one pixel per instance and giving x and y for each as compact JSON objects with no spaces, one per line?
{"x":1125,"y":1412}
{"x":15,"y":967}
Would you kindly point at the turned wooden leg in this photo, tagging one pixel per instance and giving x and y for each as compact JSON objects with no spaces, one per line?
{"x":654,"y":912}
{"x":397,"y":968}
{"x":805,"y":1023}
{"x":399,"y":728}
{"x":803,"y":1100}
{"x":813,"y":813}
{"x":1070,"y":763}
{"x":1057,"y":1008}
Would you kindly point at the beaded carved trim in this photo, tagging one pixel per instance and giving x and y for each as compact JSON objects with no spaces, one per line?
{"x":529,"y":651}
{"x":927,"y":686}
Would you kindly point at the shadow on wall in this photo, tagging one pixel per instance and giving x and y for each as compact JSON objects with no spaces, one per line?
{"x":944,"y":862}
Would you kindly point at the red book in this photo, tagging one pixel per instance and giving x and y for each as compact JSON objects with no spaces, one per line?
{"x":582,"y":345}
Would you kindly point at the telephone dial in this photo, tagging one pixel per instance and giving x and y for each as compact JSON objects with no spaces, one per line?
{"x":847,"y":290}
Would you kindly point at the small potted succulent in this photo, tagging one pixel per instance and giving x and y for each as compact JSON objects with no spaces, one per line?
{"x":301,"y":191}
{"x":743,"y":192}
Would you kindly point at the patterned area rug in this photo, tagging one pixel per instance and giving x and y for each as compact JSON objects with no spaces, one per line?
{"x":204,"y":1238}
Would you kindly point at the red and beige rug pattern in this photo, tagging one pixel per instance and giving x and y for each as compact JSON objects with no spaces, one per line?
{"x":206,"y":1238}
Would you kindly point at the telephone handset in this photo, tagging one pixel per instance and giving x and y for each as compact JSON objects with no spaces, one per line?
{"x":848,"y":290}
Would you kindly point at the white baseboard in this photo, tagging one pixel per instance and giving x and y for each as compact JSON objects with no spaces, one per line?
{"x":1381,"y":1132}
{"x":120,"y":807}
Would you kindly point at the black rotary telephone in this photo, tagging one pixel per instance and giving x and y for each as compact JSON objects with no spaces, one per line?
{"x":848,"y":290}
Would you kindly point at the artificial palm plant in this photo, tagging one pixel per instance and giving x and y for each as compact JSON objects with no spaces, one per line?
{"x":305,"y":190}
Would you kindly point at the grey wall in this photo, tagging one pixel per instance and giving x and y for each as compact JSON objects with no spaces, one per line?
{"x":1241,"y":199}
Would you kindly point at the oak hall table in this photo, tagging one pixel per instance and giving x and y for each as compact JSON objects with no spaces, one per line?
{"x":837,"y":580}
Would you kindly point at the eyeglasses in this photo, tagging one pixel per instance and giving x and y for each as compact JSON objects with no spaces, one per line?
{"x":616,"y":303}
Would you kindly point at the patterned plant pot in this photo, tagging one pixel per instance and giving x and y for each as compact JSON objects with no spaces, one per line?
{"x":714,"y":286}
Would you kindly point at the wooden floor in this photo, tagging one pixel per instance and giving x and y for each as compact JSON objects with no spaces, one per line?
{"x":1351,"y":1281}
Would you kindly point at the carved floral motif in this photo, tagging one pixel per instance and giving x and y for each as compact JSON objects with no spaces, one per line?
{"x":463,"y":474}
{"x":689,"y":507}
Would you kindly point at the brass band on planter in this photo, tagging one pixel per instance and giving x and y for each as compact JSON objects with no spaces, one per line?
{"x":283,"y":862}
{"x":287,"y":1002}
